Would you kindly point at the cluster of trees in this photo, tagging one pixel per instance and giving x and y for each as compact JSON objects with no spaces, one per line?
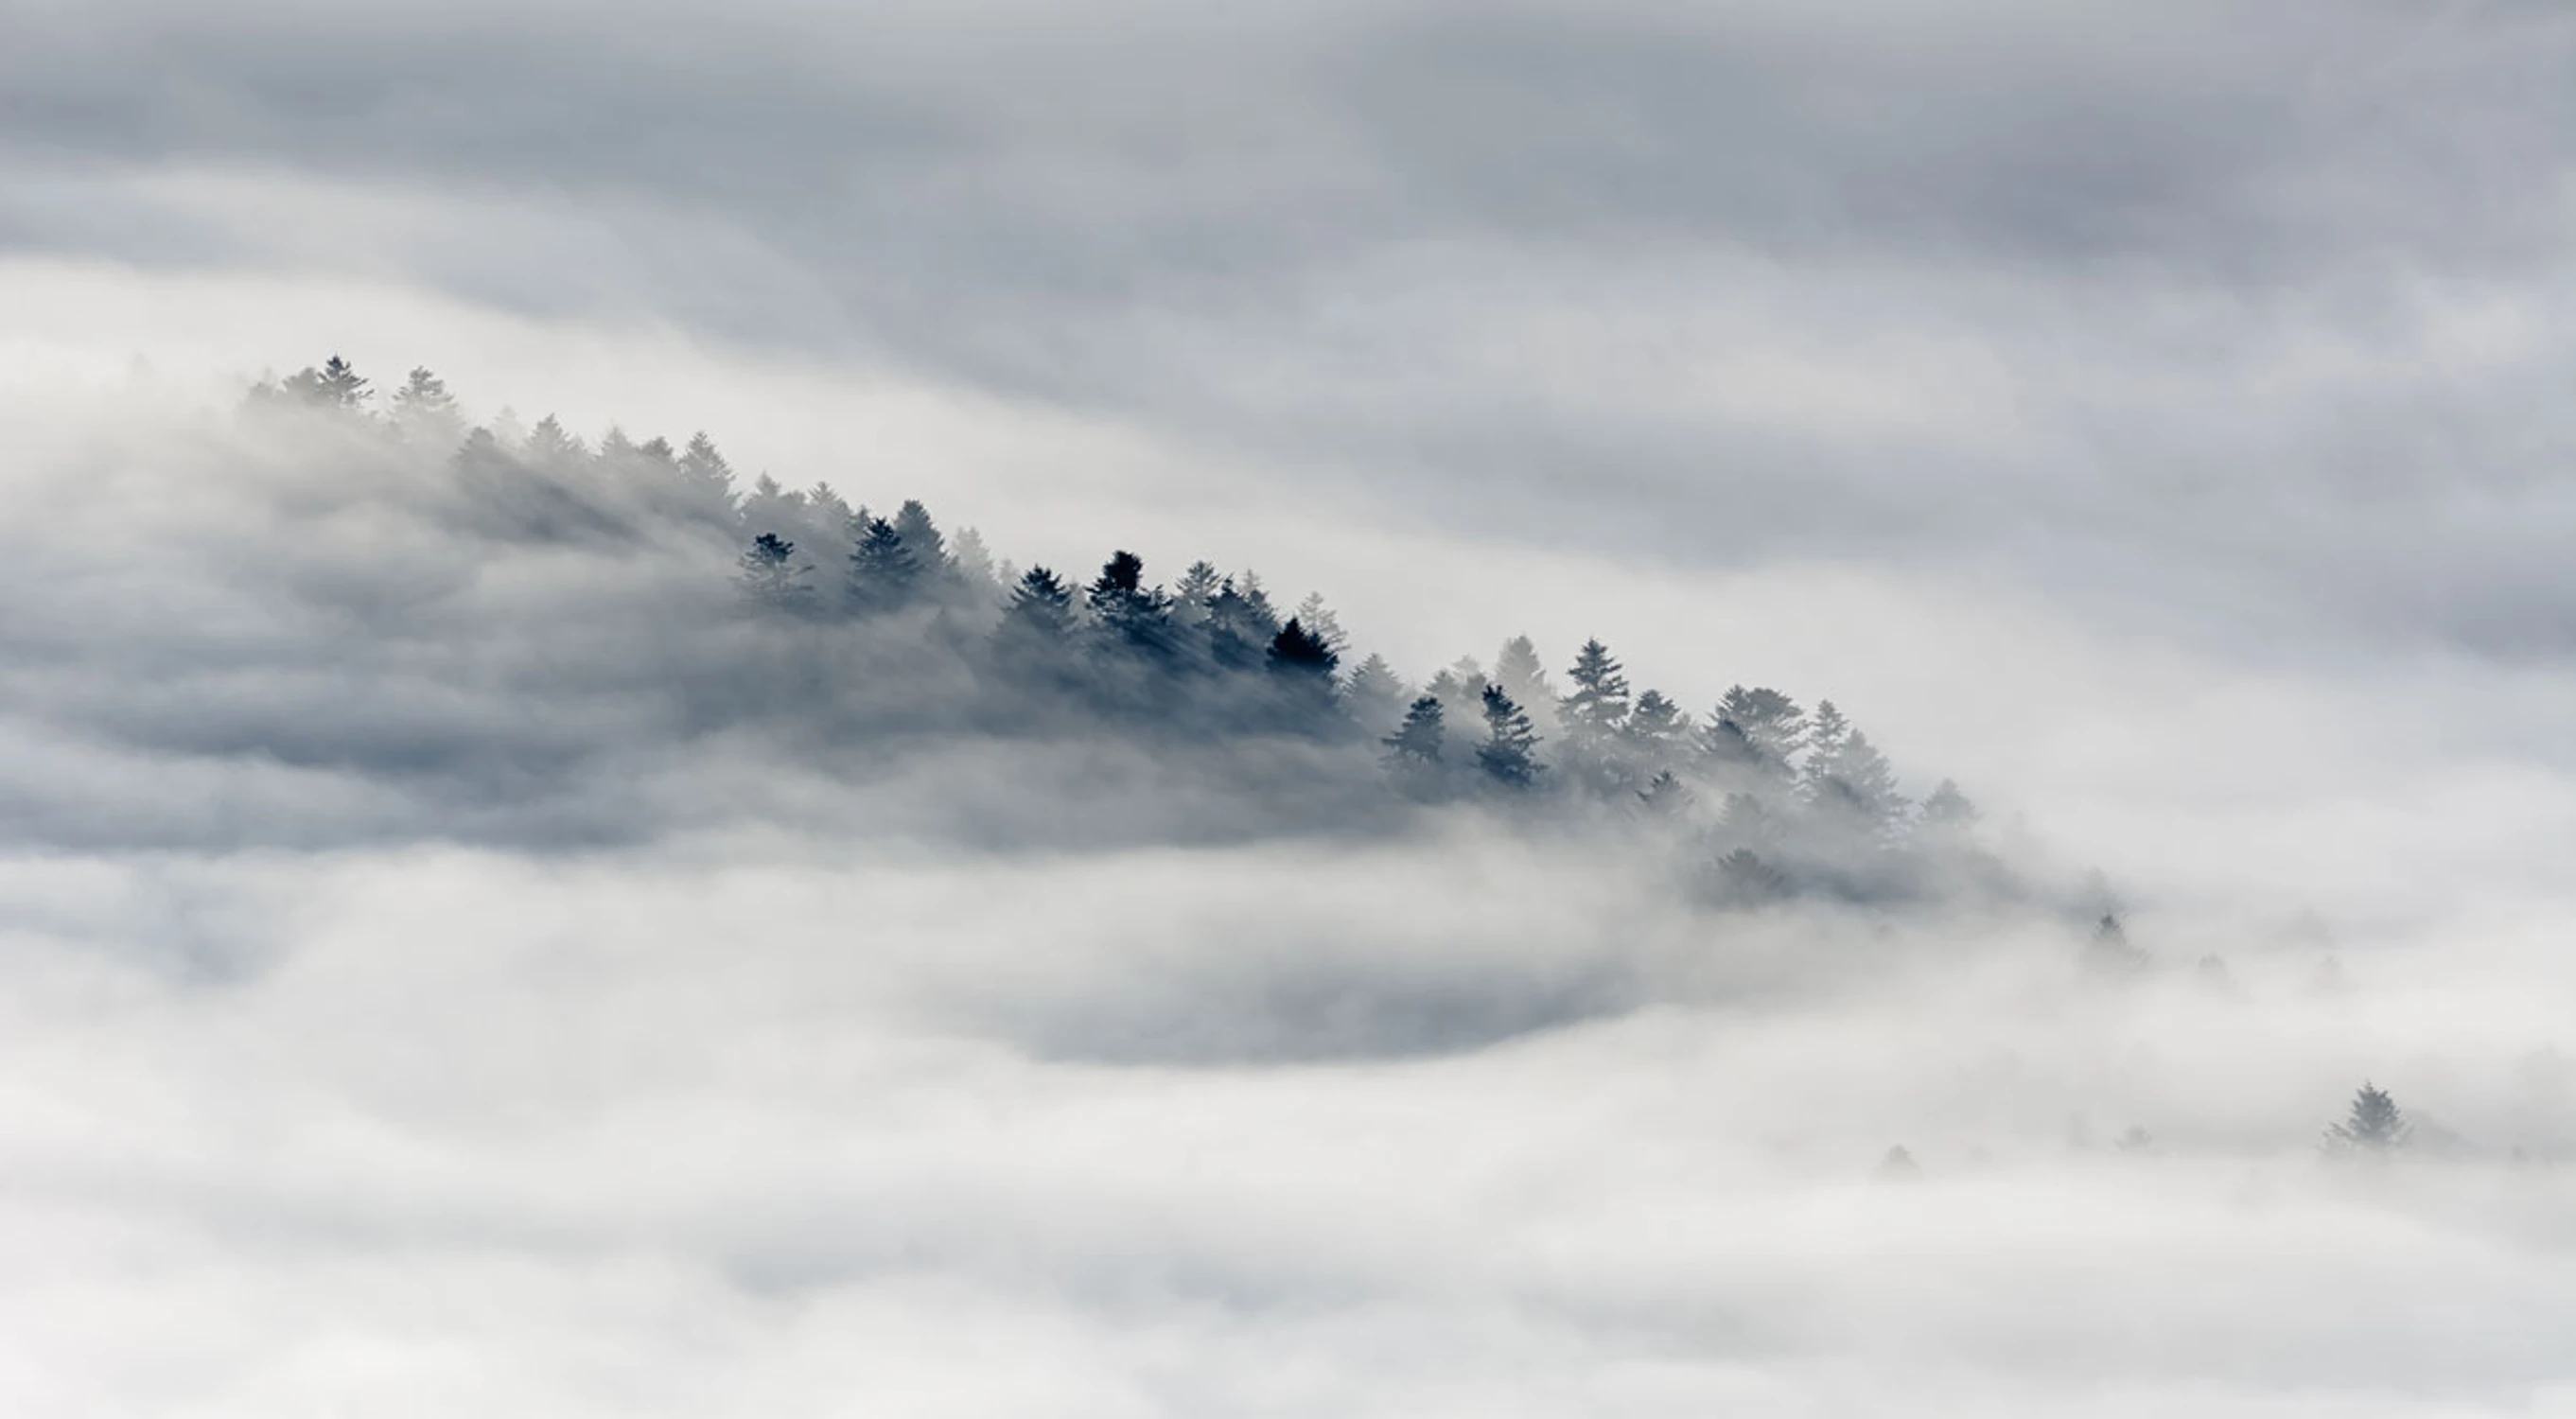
{"x":1771,"y":795}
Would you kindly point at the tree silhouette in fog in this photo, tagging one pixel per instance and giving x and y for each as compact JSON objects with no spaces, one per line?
{"x":2374,"y":1125}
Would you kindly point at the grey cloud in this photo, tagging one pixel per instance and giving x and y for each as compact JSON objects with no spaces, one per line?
{"x":2027,"y":262}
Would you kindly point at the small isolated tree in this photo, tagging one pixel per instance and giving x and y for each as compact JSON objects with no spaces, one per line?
{"x":1899,"y":1166}
{"x":2374,"y":1126}
{"x":771,"y":576}
{"x":1509,"y":755}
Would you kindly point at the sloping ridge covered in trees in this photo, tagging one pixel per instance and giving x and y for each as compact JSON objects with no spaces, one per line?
{"x":846,"y":622}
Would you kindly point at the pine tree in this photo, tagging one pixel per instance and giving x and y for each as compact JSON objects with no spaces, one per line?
{"x":771,"y":577}
{"x":1416,"y":743}
{"x":1655,"y":728}
{"x":922,"y":540}
{"x":1320,"y":622}
{"x":1509,"y":754}
{"x":1522,"y":675}
{"x":2375,"y":1125}
{"x":706,"y":472}
{"x":883,"y":575}
{"x":1859,"y":790}
{"x":1598,"y":705}
{"x":1825,"y":735}
{"x":549,"y":444}
{"x":1132,"y":616}
{"x":337,"y":385}
{"x":974,"y":560}
{"x":1374,"y":694}
{"x":1197,"y":587}
{"x":1754,"y":733}
{"x":1299,"y":651}
{"x":1948,"y":809}
{"x":424,"y":411}
{"x":1665,"y":796}
{"x":1040,"y":612}
{"x":1301,"y":665}
{"x":1239,"y":625}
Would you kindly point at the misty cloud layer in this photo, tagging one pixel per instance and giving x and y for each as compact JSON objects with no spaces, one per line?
{"x":461,"y":959}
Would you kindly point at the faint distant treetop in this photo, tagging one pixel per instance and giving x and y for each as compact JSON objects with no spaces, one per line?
{"x":1899,"y":1166}
{"x":2374,"y":1125}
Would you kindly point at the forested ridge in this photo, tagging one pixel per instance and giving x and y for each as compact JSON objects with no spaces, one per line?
{"x":1763,"y":796}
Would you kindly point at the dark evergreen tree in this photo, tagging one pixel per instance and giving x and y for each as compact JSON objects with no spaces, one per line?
{"x":1596,"y":708}
{"x":2374,"y":1126}
{"x":1301,"y":666}
{"x":1655,"y":729}
{"x":883,"y":575}
{"x":1416,"y":743}
{"x":921,"y":538}
{"x":1509,"y":755}
{"x":1321,"y":623}
{"x":1038,"y":620}
{"x":1239,"y":626}
{"x":772,"y":577}
{"x":1134,"y":619}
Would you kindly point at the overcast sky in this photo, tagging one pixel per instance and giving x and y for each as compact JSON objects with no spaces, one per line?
{"x":2153,"y":414}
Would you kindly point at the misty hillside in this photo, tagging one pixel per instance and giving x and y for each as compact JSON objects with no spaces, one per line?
{"x":641,"y":603}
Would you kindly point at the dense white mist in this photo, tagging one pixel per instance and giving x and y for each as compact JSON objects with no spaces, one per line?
{"x":332,"y":1084}
{"x":456,"y":969}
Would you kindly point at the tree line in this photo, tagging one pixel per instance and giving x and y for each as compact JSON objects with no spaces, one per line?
{"x":1774,"y":796}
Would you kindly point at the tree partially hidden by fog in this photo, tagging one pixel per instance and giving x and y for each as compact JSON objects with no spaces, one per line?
{"x":848,"y":623}
{"x":2373,"y":1126}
